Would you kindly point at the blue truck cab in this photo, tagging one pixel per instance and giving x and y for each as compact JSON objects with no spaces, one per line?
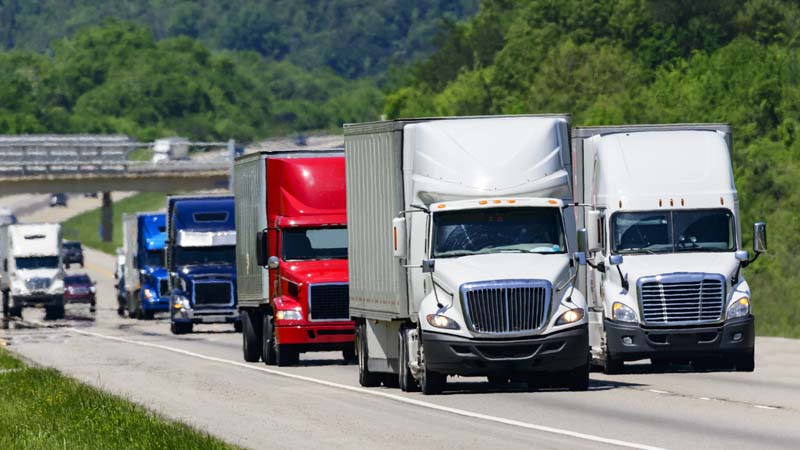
{"x":201,"y":261}
{"x":145,"y":281}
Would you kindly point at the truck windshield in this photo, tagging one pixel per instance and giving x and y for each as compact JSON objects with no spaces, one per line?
{"x":703,"y":230}
{"x":198,"y":256}
{"x":314,"y":243}
{"x":37,"y":262}
{"x":154,"y":258}
{"x":498,"y":230}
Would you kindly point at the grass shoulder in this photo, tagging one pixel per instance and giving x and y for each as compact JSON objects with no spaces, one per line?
{"x":42,"y":409}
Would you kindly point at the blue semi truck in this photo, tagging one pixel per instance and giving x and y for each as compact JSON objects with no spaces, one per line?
{"x":201,"y":261}
{"x":145,"y":281}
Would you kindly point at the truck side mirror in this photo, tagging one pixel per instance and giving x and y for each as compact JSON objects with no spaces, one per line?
{"x":261,"y":248}
{"x":583,"y":243}
{"x":399,"y":237}
{"x":273,"y":262}
{"x":742,"y":255}
{"x":593,"y":231}
{"x":615,"y":260}
{"x":760,"y":237}
{"x":428,"y":265}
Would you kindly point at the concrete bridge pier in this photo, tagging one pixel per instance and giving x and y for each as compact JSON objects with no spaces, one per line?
{"x":107,"y":218}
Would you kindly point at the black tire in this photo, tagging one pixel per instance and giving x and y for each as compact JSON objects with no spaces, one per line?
{"x":613,"y":366}
{"x":133,"y":305}
{"x":405,"y":379}
{"x":15,"y":311}
{"x":286,"y":355}
{"x":146,"y":315}
{"x":121,"y":311}
{"x":746,"y":362}
{"x":237,"y":326}
{"x":181,"y":327}
{"x":349,"y":354}
{"x":251,"y":338}
{"x":81,"y":264}
{"x":577,"y":380}
{"x":268,"y":353}
{"x":365,"y":377}
{"x":66,"y":265}
{"x":6,"y":306}
{"x":430,"y":383}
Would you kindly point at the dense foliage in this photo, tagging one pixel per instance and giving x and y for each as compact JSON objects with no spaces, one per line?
{"x":351,"y":37}
{"x":647,"y":61}
{"x":118,"y":78}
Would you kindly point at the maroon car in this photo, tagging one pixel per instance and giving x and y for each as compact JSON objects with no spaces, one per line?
{"x":79,"y":289}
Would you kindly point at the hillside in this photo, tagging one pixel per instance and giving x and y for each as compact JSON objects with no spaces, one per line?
{"x":647,"y":61}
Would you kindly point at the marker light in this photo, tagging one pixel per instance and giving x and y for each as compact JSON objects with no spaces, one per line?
{"x":483,"y":202}
{"x":511,"y":201}
{"x":495,"y":201}
{"x":441,"y":206}
{"x":552,"y":202}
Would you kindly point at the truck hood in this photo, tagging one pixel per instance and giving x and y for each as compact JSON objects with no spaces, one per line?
{"x":191,"y":272}
{"x":453,"y":272}
{"x":637,"y":266}
{"x":23,"y":274}
{"x":318,"y":271}
{"x":156,"y":271}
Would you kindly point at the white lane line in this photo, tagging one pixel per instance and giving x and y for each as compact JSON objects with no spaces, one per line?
{"x":764,"y":407}
{"x":375,"y":393}
{"x":659,"y":392}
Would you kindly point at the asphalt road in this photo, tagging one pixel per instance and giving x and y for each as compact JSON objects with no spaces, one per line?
{"x":201,"y":379}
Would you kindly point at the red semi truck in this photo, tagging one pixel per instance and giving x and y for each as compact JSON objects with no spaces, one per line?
{"x":291,"y":255}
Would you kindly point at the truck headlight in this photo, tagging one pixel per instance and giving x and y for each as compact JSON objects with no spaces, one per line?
{"x":739,"y":308}
{"x":288,"y":315}
{"x":92,"y":289}
{"x":571,"y":316}
{"x":440,"y":321}
{"x":148,"y":294}
{"x":180,"y":303}
{"x":623,"y":313}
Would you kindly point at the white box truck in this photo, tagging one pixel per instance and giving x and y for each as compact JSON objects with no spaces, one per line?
{"x":32,"y":269}
{"x":459,"y":256}
{"x":661,"y":225}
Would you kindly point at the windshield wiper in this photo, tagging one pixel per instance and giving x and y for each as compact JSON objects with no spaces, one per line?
{"x":638,"y":250}
{"x":455,"y":253}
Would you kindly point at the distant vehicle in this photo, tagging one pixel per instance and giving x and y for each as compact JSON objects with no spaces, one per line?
{"x":32,"y":270}
{"x":169,"y":149}
{"x":59,"y":199}
{"x":201,"y":260}
{"x":80,"y":289}
{"x":72,"y":252}
{"x":119,"y":275}
{"x":90,"y":194}
{"x":145,"y":285}
{"x":7,"y":217}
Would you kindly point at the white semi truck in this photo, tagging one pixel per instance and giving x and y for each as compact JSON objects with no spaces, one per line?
{"x":459,"y":256}
{"x":660,"y":219}
{"x":32,"y":270}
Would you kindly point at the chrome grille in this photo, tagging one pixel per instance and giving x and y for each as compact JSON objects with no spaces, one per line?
{"x":163,"y":288}
{"x":506,"y":306}
{"x":329,"y":301}
{"x":213,"y":293}
{"x":38,"y":284}
{"x":682,"y":298}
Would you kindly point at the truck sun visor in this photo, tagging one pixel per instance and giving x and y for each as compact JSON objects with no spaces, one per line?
{"x":205,"y":238}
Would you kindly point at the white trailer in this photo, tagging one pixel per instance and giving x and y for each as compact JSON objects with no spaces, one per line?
{"x":661,"y":222}
{"x":459,"y":259}
{"x":32,"y":269}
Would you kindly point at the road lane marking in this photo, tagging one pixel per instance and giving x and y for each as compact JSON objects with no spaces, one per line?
{"x":99,"y":269}
{"x":374,"y":393}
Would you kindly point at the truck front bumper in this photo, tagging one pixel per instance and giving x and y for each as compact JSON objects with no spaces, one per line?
{"x":160,"y":304}
{"x":555,"y":352}
{"x":37,"y":300}
{"x":630,"y":342}
{"x":190,"y":315}
{"x":317,"y":337}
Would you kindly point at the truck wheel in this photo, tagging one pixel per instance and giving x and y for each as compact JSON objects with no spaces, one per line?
{"x":268,"y":353}
{"x":578,"y":378}
{"x":365,"y":377}
{"x":349,"y":354}
{"x":181,"y":328}
{"x":286,"y":355}
{"x":251,"y":339}
{"x":430,"y":383}
{"x":613,"y":366}
{"x":146,"y":315}
{"x":6,"y":308}
{"x":405,"y":379}
{"x":745,"y":362}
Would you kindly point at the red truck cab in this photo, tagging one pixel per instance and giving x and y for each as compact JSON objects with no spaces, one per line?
{"x":302,"y":246}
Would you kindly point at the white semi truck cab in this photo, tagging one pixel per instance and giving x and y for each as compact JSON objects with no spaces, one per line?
{"x":660,"y":222}
{"x":459,"y":255}
{"x":32,"y":268}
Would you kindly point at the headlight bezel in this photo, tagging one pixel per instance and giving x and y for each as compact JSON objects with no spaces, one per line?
{"x":623,"y":313}
{"x":442,"y":322}
{"x":733,"y":313}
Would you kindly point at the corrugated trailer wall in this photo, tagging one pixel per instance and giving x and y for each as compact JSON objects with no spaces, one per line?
{"x":374,"y":197}
{"x":248,"y":185}
{"x":130,"y":245}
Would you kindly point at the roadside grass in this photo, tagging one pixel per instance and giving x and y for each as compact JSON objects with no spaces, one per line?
{"x":85,"y":227}
{"x":42,"y":409}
